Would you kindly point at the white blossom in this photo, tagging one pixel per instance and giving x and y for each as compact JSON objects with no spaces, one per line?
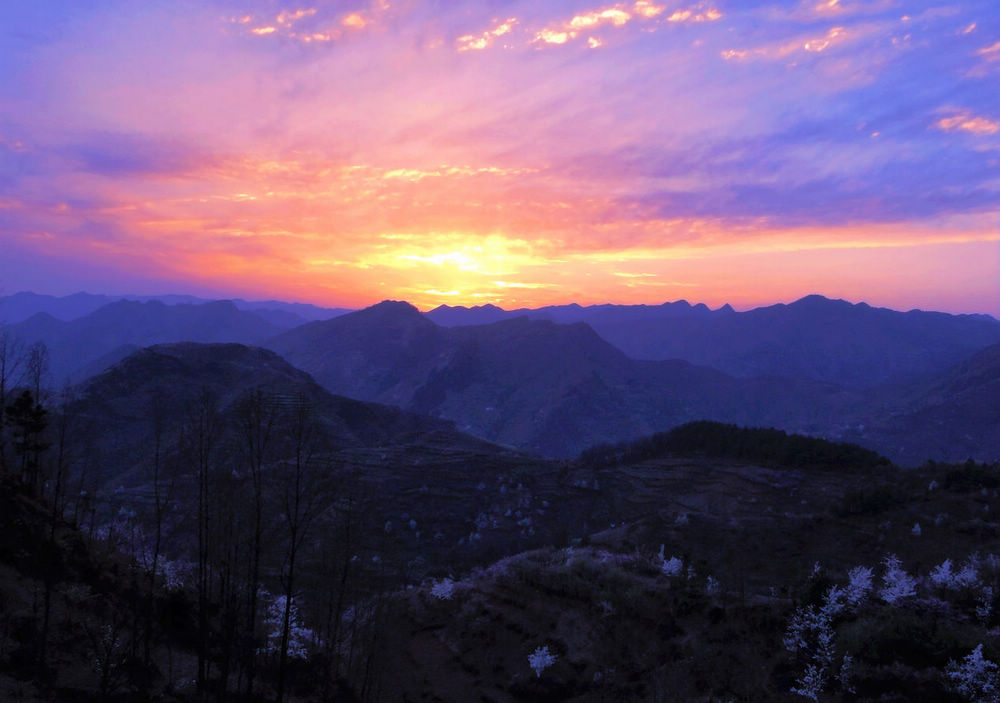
{"x":443,"y":589}
{"x":968,"y":575}
{"x":298,"y":635}
{"x":942,"y":575}
{"x":976,"y":677}
{"x":984,"y":607}
{"x":896,"y":583}
{"x":540,"y":660}
{"x":672,"y":567}
{"x":859,"y":584}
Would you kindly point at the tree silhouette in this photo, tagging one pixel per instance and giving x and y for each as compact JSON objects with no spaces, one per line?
{"x":29,"y":420}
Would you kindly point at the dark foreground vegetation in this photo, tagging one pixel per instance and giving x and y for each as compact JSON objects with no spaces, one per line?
{"x":762,"y":446}
{"x":212,"y":526}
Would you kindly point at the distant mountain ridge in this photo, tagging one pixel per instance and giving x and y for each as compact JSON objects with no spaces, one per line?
{"x":20,"y":306}
{"x":86,"y":345}
{"x":448,"y":316}
{"x":914,"y":385}
{"x":815,"y":338}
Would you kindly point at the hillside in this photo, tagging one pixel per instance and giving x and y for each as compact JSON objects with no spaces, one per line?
{"x":116,"y":329}
{"x":953,"y":416}
{"x":547,"y":388}
{"x":693,"y":588}
{"x":171,"y":381}
{"x":76,"y":612}
{"x":673,"y":567}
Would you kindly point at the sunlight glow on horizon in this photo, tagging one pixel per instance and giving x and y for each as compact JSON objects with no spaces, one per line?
{"x":632,"y":152}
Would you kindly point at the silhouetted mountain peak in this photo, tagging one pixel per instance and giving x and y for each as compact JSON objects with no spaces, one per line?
{"x":816,"y":301}
{"x":196,"y":362}
{"x":388,"y":316}
{"x":393,"y":306}
{"x":42,"y":318}
{"x":393,"y":312}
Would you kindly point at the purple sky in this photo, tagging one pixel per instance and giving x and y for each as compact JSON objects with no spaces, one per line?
{"x":520,"y":153}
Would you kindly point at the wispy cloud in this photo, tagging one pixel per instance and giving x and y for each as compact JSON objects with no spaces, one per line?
{"x":473,"y":42}
{"x":648,"y":14}
{"x":968,"y":122}
{"x":351,"y":151}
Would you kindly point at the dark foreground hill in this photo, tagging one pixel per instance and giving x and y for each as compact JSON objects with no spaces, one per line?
{"x":74,"y":613}
{"x":813,"y":338}
{"x":169,"y":386}
{"x":548,"y":388}
{"x":713,"y":563}
{"x":719,"y":579}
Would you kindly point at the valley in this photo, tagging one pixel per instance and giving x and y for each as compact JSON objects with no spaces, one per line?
{"x":379,"y":508}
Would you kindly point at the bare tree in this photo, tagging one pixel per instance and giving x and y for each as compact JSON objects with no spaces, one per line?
{"x":37,"y":367}
{"x":256,"y":414}
{"x":29,"y":420}
{"x":11,"y":363}
{"x":303,"y":487}
{"x":200,"y":435}
{"x":63,"y":427}
{"x":162,"y":495}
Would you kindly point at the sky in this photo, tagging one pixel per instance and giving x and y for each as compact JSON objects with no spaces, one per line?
{"x":516,"y":153}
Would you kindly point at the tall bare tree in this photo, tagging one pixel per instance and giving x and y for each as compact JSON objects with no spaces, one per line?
{"x":162,"y":495}
{"x":11,"y":366}
{"x":256,"y":412}
{"x":37,"y":368}
{"x":303,"y":485}
{"x":201,"y":433}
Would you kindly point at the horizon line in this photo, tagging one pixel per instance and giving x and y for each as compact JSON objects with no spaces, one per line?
{"x":349,"y":309}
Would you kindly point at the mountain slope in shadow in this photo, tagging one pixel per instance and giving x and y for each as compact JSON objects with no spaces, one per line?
{"x":953,"y":416}
{"x":548,"y":388}
{"x":116,"y":329}
{"x":170,"y":381}
{"x":812,"y":338}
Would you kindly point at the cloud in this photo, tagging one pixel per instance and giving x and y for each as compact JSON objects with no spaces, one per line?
{"x":618,"y":16}
{"x":967,"y":122}
{"x":811,"y":43}
{"x":434,"y":147}
{"x":309,"y":25}
{"x":475,"y":42}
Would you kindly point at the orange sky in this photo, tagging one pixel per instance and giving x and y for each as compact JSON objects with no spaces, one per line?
{"x":567,"y":151}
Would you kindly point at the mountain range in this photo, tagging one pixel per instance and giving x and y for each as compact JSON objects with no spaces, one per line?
{"x":915,"y":385}
{"x":86,"y":345}
{"x":814,"y":337}
{"x":419,"y":479}
{"x":550,"y":388}
{"x":20,"y":306}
